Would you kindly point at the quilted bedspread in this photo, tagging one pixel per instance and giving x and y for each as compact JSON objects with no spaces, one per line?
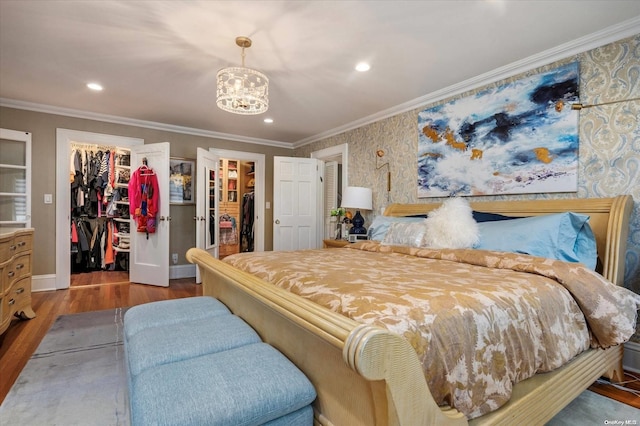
{"x":479,"y":321}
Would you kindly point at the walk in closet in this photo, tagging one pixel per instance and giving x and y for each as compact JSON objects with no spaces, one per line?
{"x":236,"y":205}
{"x":100,"y":224}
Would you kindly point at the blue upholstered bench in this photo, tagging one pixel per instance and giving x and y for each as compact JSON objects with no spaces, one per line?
{"x":191,"y":362}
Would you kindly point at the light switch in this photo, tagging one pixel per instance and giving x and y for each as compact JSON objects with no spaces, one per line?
{"x":48,"y":198}
{"x":268,"y":204}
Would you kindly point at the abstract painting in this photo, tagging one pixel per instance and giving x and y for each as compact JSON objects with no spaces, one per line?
{"x":520,"y":137}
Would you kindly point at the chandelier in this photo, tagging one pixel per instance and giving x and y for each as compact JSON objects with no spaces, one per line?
{"x":242,"y":90}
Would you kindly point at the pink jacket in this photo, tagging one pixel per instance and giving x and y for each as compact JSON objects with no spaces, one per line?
{"x":143,"y":186}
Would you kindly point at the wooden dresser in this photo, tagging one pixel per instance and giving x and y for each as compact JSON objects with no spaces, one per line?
{"x":16,"y":246}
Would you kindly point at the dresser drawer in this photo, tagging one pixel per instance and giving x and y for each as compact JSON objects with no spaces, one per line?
{"x":19,"y":295}
{"x":21,"y":267}
{"x":5,"y":320}
{"x":5,"y":282}
{"x":7,"y":249}
{"x":23,"y":242}
{"x":12,"y":271}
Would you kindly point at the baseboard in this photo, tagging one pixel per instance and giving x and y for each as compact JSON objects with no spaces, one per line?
{"x":631,"y":358}
{"x":43,"y":283}
{"x":182,"y":271}
{"x":48,"y":282}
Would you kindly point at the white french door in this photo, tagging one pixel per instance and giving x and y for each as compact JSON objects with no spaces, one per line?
{"x":149,"y":256}
{"x":206,"y":217}
{"x":296,"y":204}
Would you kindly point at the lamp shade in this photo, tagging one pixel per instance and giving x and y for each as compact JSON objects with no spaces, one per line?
{"x":358,"y":198}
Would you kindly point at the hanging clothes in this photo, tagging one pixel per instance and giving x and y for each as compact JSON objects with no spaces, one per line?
{"x":97,"y":196}
{"x":246,"y":222}
{"x":109,"y":255}
{"x":144,"y":197}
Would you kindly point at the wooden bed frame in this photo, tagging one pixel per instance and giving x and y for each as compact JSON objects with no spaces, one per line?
{"x":366,"y":375}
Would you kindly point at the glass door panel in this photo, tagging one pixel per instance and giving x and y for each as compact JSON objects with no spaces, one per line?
{"x":211,"y":208}
{"x":13,"y":152}
{"x":15,"y":178}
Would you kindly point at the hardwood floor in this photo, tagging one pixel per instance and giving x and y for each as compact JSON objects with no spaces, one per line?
{"x":632,"y":381}
{"x":22,"y":337}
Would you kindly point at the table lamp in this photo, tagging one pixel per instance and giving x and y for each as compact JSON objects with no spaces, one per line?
{"x":357,"y":198}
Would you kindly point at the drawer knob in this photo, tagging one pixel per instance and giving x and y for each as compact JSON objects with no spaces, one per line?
{"x":21,"y":243}
{"x":19,"y":266}
{"x":20,"y":290}
{"x":12,"y":247}
{"x":12,"y":302}
{"x":11,"y":274}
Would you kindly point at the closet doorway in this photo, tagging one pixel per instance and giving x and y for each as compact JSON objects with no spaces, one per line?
{"x":236,"y":183}
{"x":70,"y":255}
{"x":100,"y":224}
{"x":336,"y":173}
{"x":241,"y":195}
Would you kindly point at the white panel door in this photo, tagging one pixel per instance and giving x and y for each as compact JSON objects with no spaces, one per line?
{"x":149,"y":256}
{"x":206,"y":218}
{"x":296,"y":185}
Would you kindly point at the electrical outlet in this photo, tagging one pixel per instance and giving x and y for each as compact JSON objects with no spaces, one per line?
{"x":174,"y":257}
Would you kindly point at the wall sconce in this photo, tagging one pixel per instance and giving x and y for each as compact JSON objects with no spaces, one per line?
{"x":578,"y":106}
{"x":380,"y":154}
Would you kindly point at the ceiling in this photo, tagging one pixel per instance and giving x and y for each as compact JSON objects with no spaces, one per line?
{"x":158,"y":60}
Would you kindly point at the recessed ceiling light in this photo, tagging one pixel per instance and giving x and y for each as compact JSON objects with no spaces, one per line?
{"x":268,"y":120}
{"x":94,"y":86}
{"x":363,"y":66}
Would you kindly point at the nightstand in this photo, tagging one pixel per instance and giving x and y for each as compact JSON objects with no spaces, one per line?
{"x":335,"y":243}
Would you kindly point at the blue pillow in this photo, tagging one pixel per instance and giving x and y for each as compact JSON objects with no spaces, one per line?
{"x":380,"y":225}
{"x":562,"y":236}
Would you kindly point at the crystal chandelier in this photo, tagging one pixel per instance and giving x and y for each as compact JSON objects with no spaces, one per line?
{"x":242,"y":90}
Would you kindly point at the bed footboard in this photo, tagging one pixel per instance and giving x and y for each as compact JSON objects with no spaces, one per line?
{"x":363,"y":375}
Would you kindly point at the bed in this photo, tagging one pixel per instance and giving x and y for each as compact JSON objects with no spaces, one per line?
{"x":367,"y":375}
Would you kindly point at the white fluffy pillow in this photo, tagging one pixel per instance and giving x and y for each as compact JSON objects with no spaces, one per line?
{"x":451,"y":226}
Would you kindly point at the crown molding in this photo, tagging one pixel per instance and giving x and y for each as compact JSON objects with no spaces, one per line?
{"x":87,"y":115}
{"x":617,"y":32}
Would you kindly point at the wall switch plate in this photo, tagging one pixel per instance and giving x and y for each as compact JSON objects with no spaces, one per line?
{"x":48,"y":198}
{"x":174,"y":257}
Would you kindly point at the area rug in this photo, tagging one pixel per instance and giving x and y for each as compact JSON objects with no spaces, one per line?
{"x":77,"y":377}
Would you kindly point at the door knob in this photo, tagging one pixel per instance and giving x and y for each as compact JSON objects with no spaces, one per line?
{"x":277,"y":221}
{"x":161,"y":217}
{"x":195,"y":218}
{"x":201,"y":217}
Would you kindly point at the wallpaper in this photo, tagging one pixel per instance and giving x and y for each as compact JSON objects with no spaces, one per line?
{"x":609,"y":142}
